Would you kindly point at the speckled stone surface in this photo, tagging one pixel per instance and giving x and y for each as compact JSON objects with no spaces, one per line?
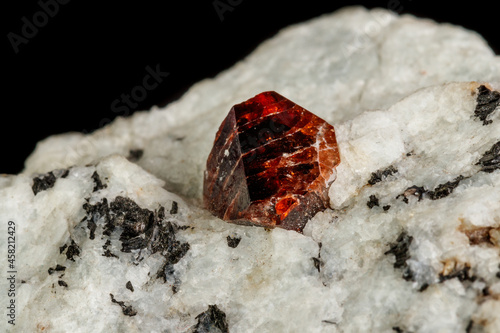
{"x":114,"y":240}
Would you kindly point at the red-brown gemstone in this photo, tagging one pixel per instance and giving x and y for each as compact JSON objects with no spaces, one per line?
{"x":271,"y":164}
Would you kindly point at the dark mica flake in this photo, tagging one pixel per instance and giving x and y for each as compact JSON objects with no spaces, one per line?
{"x":163,"y":240}
{"x":135,"y":222}
{"x":233,"y":241}
{"x":135,"y":155}
{"x":487,"y":102}
{"x":400,"y":249}
{"x":423,"y":287}
{"x":468,"y":329}
{"x":72,"y":250}
{"x":62,"y":283}
{"x":175,"y":208}
{"x":443,"y":190}
{"x":99,"y":210}
{"x":48,"y":180}
{"x":212,"y":320}
{"x":107,"y":244}
{"x":92,"y":227}
{"x":173,"y":253}
{"x":318,"y":263}
{"x":43,"y":183}
{"x":372,"y":202}
{"x":58,"y":268}
{"x":129,"y":286}
{"x":380,"y":175}
{"x":127,"y":310}
{"x":98,"y":185}
{"x":107,"y":252}
{"x":166,"y":273}
{"x":386,"y":207}
{"x":490,"y":161}
{"x":141,"y":230}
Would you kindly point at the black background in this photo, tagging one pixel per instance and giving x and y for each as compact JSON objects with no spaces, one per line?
{"x":66,"y":77}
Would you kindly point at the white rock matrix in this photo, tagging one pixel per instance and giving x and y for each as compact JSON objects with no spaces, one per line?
{"x":111,"y":236}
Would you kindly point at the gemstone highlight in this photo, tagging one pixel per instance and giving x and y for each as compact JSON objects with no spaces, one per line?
{"x":271,"y":164}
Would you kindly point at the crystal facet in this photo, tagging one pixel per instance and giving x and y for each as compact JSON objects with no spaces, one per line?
{"x":271,"y":164}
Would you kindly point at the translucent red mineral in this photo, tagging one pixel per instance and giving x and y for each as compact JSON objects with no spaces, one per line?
{"x":271,"y":164}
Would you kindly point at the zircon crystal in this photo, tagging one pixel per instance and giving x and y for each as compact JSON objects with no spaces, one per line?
{"x":271,"y":164}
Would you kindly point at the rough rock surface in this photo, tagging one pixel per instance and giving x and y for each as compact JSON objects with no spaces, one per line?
{"x":411,"y":244}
